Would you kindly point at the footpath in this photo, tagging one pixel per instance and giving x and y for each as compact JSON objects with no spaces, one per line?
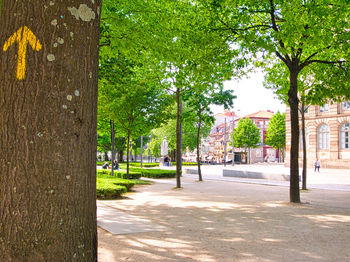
{"x":273,"y":174}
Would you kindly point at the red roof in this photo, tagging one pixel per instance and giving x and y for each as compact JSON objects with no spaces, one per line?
{"x":261,"y":114}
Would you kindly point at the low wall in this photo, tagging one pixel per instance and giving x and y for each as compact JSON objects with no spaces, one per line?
{"x":255,"y":175}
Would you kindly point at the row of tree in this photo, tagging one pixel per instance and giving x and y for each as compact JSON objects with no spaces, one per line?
{"x":179,"y":48}
{"x":247,"y":134}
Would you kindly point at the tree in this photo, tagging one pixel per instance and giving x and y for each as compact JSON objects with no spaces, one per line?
{"x":134,"y":100}
{"x":276,"y":132}
{"x":277,"y":79}
{"x":201,"y":113}
{"x":48,"y":124}
{"x":247,"y":135}
{"x":300,"y":34}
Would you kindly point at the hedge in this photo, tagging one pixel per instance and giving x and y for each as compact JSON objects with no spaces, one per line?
{"x":156,"y":173}
{"x":109,"y":187}
{"x":187,"y":163}
{"x":109,"y":190}
{"x":138,"y":164}
{"x":120,"y":173}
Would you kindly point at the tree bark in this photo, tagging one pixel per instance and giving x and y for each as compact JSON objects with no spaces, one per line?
{"x":48,"y":108}
{"x":178,"y":138}
{"x":293,"y":101}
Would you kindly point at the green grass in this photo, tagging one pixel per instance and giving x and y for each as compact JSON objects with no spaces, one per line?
{"x":112,"y":187}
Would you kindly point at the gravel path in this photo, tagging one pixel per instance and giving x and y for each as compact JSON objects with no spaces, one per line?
{"x":220,"y":221}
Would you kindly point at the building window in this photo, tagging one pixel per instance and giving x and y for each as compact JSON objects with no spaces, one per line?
{"x":306,"y":138}
{"x":323,"y":137}
{"x":344,"y":136}
{"x":324,"y":108}
{"x":345,"y":105}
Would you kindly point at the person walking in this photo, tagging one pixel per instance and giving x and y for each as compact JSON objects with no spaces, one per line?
{"x":317,"y":165}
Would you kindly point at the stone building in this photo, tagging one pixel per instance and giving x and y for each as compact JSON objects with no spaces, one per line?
{"x":327,"y":135}
{"x":217,"y":140}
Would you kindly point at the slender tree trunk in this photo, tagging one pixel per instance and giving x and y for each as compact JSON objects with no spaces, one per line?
{"x":48,"y":108}
{"x":304,"y":145}
{"x":294,"y":151}
{"x":141,"y":151}
{"x":128,"y":155}
{"x":121,"y":156}
{"x":178,"y":138}
{"x":198,"y":142}
{"x":113,"y":142}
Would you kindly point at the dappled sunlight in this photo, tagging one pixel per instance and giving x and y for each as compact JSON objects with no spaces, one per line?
{"x":234,"y":239}
{"x":166,"y":243}
{"x":207,"y":224}
{"x":272,"y":240}
{"x":275,"y":204}
{"x":330,"y":218}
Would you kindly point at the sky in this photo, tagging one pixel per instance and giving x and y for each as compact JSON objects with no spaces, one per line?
{"x":252,"y":96}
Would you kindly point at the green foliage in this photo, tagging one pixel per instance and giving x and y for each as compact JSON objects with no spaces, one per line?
{"x":108,"y":187}
{"x":138,"y":164}
{"x":276,"y":131}
{"x":246,"y":135}
{"x":155,"y":173}
{"x":134,"y":174}
{"x":187,"y":163}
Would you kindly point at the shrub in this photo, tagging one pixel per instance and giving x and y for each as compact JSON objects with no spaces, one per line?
{"x":120,"y":173}
{"x":106,"y":190}
{"x":124,"y":182}
{"x":155,"y":173}
{"x":132,"y":174}
{"x":109,"y":187}
{"x":187,"y":163}
{"x":138,"y":164}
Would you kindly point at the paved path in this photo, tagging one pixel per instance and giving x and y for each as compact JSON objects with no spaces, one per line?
{"x":118,"y":222}
{"x":330,"y":179}
{"x":220,"y":221}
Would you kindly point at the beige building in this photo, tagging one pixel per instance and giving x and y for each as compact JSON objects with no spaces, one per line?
{"x":327,"y":135}
{"x":217,"y":140}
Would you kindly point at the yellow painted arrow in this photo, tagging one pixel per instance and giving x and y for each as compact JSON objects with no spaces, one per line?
{"x":23,"y":37}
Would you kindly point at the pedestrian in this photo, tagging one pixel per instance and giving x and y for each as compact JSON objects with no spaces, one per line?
{"x":166,"y":160}
{"x":317,"y":165}
{"x":115,"y":164}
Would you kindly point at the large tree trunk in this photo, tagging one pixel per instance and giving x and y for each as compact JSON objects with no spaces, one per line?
{"x":304,"y":145}
{"x":198,"y":142}
{"x":293,"y":101}
{"x":178,"y":138}
{"x":48,"y":108}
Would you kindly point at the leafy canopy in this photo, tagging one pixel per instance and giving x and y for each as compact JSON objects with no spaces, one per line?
{"x":246,"y":135}
{"x":276,"y":131}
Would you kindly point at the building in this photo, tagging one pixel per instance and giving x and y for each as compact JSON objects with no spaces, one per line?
{"x":327,"y":135}
{"x":215,"y":145}
{"x":264,"y":152}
